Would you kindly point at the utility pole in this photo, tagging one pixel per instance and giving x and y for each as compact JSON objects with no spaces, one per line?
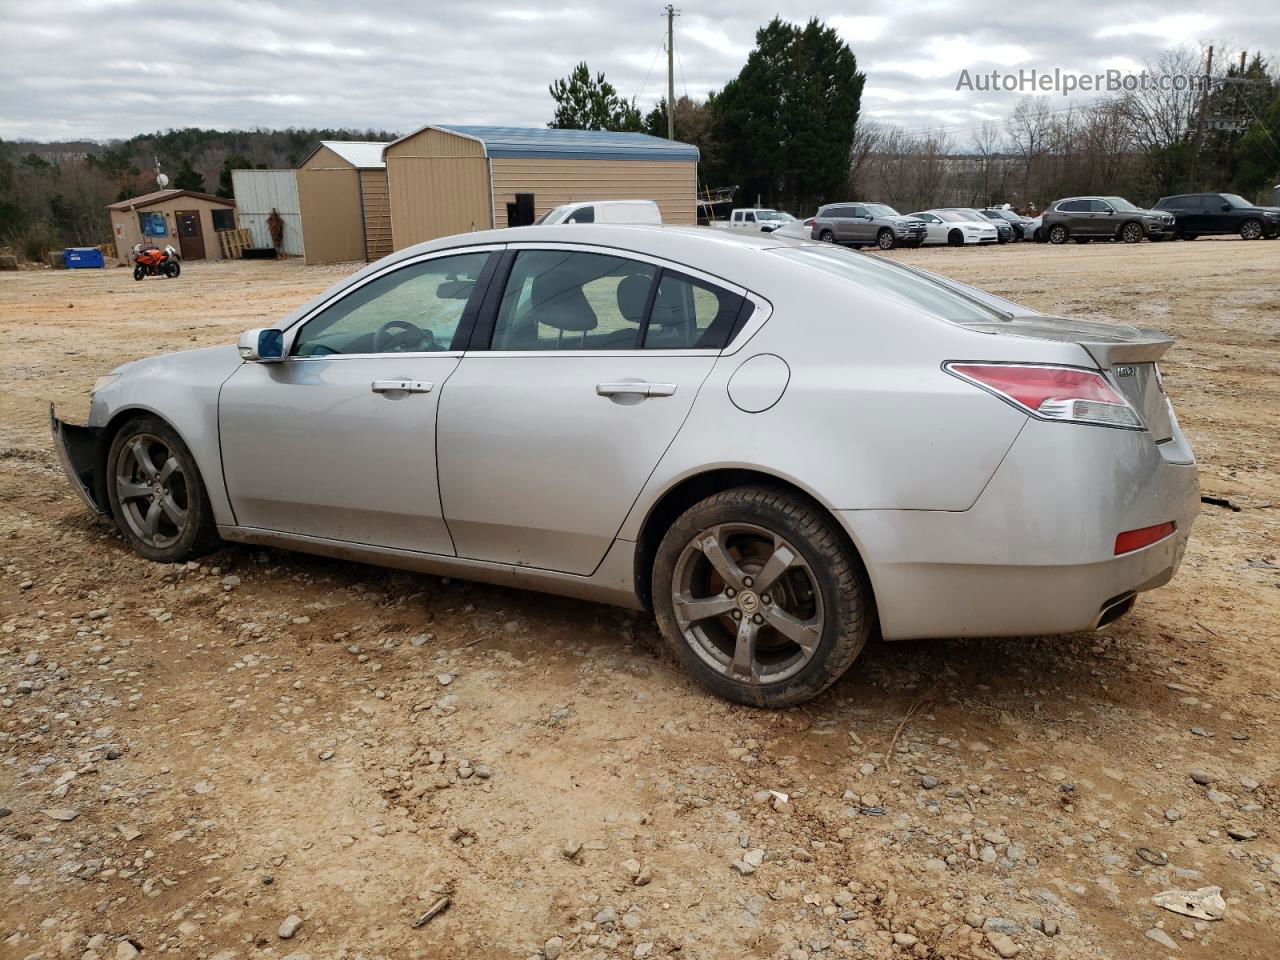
{"x":672,"y":13}
{"x":1204,"y":103}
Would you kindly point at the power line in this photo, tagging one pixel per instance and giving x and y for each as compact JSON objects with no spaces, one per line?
{"x":645,"y":85}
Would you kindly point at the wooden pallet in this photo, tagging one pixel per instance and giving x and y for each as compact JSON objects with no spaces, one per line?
{"x":233,"y":243}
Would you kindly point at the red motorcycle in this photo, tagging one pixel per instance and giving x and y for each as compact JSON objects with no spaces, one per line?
{"x":151,"y":261}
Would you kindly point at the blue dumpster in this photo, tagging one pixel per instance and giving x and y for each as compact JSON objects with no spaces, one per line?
{"x":81,"y":258}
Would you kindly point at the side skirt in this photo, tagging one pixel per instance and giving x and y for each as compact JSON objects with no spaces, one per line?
{"x":612,"y":582}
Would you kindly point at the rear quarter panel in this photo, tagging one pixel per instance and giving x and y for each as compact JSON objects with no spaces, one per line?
{"x":869,"y":420}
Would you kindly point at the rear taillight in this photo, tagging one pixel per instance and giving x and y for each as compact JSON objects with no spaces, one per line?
{"x":1068,"y":394}
{"x":1132,"y":540}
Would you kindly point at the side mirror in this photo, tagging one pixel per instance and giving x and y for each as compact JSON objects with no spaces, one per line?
{"x":261,"y":345}
{"x":1226,"y":206}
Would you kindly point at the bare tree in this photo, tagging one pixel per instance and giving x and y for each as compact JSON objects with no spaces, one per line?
{"x":1029,"y":128}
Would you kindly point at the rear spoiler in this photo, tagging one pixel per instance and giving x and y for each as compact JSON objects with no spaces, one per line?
{"x":1151,"y":347}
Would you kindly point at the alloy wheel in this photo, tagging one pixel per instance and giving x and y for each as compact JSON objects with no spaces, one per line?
{"x":885,"y":240}
{"x":1251,"y":230}
{"x":747,"y":603}
{"x":1057,"y":234}
{"x":152,"y":490}
{"x":826,"y":236}
{"x":1132,"y":233}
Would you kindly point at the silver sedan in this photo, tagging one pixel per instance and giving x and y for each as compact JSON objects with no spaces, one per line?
{"x":778,"y":447}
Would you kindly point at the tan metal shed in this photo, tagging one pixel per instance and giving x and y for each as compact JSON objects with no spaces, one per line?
{"x":187,"y":219}
{"x":447,"y":179}
{"x":342,"y":201}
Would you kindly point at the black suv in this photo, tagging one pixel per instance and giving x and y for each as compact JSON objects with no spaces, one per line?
{"x":1021,"y":225}
{"x":1104,"y":218}
{"x":1205,"y":214}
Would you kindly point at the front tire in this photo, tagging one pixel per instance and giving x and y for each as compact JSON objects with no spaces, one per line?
{"x":759,"y":597}
{"x":884,"y":239}
{"x":139,"y":272}
{"x":1190,"y":236}
{"x":156,"y":494}
{"x":1057,"y":234}
{"x":955,"y":238}
{"x":1251,"y":230}
{"x":1131,"y":232}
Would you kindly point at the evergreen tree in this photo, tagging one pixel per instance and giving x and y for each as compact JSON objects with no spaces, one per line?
{"x":586,"y":103}
{"x":188,"y":178}
{"x":786,"y":122}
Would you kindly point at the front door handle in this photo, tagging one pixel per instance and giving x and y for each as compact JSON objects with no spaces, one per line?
{"x":639,"y":388}
{"x":403,"y":386}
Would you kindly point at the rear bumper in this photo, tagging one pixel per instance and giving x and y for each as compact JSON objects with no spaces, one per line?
{"x":1035,"y":555}
{"x":77,"y":452}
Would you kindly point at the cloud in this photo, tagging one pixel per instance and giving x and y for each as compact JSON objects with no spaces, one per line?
{"x":94,"y":69}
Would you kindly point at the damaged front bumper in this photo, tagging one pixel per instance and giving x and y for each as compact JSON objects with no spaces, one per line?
{"x":78,"y":453}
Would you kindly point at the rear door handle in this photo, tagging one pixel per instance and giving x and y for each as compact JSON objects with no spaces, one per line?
{"x":635,"y":387}
{"x":405,"y":386}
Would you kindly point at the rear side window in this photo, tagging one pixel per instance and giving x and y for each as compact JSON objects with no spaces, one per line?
{"x":1073,"y":206}
{"x":690,"y":313}
{"x":568,"y":300}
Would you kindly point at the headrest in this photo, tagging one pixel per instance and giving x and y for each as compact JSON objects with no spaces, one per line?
{"x":558,"y":301}
{"x":633,"y":294}
{"x":670,"y":306}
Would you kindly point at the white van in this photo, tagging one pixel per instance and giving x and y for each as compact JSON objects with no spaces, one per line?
{"x":603,"y":211}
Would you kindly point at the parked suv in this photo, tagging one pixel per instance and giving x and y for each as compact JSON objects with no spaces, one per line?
{"x":1104,"y":218}
{"x":1021,"y":225}
{"x":1205,"y":214}
{"x":860,"y":224}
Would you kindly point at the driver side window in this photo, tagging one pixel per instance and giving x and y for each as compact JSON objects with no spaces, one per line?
{"x":415,"y":309}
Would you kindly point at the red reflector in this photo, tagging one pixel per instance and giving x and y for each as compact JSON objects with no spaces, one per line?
{"x":1132,"y":540}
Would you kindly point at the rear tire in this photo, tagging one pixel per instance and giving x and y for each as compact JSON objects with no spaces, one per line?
{"x":807,"y":578}
{"x":172,"y":269}
{"x":156,"y":493}
{"x":826,"y":236}
{"x":884,"y":239}
{"x":1251,"y":230}
{"x":1057,"y":234}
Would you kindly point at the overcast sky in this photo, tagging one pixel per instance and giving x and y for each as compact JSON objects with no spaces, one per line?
{"x":112,"y":68}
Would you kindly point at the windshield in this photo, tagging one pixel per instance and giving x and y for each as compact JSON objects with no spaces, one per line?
{"x":951,"y":216}
{"x":786,"y":218}
{"x":1119,"y":203}
{"x":553,"y":215}
{"x":1235,"y":201}
{"x":881,"y":210}
{"x":965,"y":213}
{"x":1002,"y":214}
{"x":767,"y":215}
{"x":903,"y":284}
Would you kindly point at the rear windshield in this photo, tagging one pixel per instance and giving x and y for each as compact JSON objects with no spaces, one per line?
{"x":957,"y":303}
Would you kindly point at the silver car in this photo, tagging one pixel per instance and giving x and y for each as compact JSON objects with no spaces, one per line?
{"x":779,"y":447}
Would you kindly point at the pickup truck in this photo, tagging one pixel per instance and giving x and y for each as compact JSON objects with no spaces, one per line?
{"x":752,"y":218}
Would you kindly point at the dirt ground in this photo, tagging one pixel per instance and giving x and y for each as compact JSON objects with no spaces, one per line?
{"x":191,"y":755}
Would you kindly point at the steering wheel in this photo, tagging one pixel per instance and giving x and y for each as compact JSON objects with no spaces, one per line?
{"x":396,"y":333}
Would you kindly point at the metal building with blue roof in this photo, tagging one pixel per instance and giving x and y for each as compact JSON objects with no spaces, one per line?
{"x":454,"y":178}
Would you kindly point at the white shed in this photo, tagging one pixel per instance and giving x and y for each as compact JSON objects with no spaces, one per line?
{"x":258,"y":192}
